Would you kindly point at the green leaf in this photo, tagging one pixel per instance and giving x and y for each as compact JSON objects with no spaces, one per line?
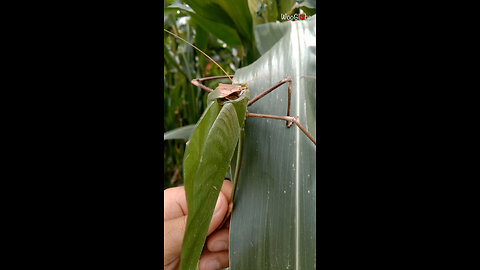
{"x":234,"y":14}
{"x":222,"y":29}
{"x":180,"y":5}
{"x":179,"y":133}
{"x":285,"y":6}
{"x":263,"y":11}
{"x":207,"y":159}
{"x":224,"y":32}
{"x":269,"y":34}
{"x":273,"y":221}
{"x":229,"y":21}
{"x":308,"y":3}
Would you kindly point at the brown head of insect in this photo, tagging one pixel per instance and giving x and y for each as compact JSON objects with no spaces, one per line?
{"x":230,"y":91}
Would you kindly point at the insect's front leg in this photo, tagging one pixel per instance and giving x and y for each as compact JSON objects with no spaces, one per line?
{"x":198,"y":82}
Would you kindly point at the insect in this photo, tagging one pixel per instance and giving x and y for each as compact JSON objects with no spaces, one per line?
{"x":210,"y":151}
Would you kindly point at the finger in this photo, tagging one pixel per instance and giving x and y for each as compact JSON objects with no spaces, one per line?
{"x":227,"y":189}
{"x":174,"y":229}
{"x":219,"y":213}
{"x":218,"y":241}
{"x":173,"y":232}
{"x":213,"y":260}
{"x":174,"y":203}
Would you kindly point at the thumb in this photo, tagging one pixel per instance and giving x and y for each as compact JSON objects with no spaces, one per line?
{"x":173,"y":232}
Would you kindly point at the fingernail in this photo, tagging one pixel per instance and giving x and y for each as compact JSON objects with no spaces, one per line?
{"x":219,"y":246}
{"x":212,"y":265}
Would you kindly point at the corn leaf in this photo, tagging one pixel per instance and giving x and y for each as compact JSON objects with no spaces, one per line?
{"x":274,"y":218}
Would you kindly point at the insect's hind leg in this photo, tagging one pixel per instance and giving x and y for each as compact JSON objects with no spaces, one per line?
{"x":288,"y":123}
{"x":287,"y":118}
{"x":198,"y":82}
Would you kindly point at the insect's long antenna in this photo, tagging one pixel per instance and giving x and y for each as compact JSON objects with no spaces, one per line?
{"x":201,"y":52}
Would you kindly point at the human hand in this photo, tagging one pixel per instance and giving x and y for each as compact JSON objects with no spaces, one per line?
{"x":215,"y":253}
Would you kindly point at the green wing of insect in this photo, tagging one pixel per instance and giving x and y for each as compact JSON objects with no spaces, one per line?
{"x":206,"y":162}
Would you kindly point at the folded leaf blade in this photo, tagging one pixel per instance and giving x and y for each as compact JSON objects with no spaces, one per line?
{"x":207,"y":158}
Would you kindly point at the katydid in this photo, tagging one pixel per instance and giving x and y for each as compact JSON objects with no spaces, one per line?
{"x":210,"y":150}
